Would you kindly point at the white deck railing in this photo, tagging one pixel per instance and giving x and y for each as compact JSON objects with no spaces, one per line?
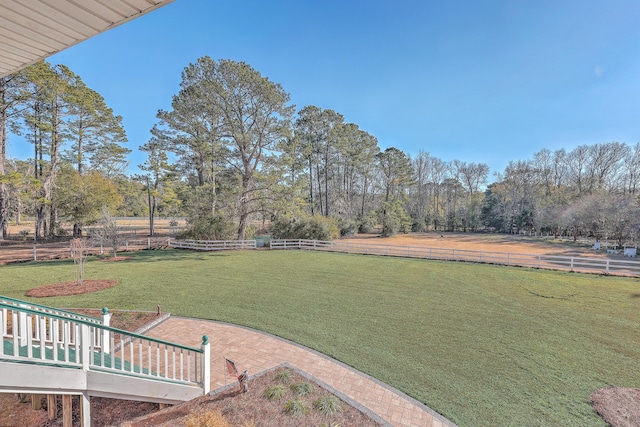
{"x":43,"y":335}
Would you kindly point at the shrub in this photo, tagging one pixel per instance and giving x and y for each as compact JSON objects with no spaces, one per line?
{"x":366,"y":223}
{"x":419,"y":225}
{"x":283,"y":376}
{"x":208,"y":227}
{"x":275,"y":393}
{"x":302,"y":389}
{"x":327,"y":405}
{"x":296,"y":408}
{"x":348,"y":227}
{"x":206,"y":419}
{"x":394,"y":219}
{"x":314,"y":227}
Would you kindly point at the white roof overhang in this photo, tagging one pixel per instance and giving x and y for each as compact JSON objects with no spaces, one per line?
{"x":31,"y":30}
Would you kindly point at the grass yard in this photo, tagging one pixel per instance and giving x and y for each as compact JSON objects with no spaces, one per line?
{"x":483,"y":345}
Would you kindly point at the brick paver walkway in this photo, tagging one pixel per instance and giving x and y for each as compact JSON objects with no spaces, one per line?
{"x":258,"y":351}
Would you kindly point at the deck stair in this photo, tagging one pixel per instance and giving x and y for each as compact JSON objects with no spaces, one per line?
{"x":50,"y":351}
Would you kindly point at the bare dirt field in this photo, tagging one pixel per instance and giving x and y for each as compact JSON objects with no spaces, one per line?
{"x":489,"y":242}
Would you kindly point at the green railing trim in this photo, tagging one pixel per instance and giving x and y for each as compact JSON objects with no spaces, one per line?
{"x":103,"y":327}
{"x":45,"y":307}
{"x":48,"y":355}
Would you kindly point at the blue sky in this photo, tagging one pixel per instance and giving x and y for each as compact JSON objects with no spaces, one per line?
{"x":488,"y":81}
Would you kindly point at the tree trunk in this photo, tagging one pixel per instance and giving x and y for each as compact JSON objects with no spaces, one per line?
{"x":311,"y":186}
{"x":3,"y":154}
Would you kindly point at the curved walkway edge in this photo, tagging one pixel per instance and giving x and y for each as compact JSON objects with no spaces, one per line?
{"x":258,"y":351}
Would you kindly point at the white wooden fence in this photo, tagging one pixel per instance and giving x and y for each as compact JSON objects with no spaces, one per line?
{"x":553,"y":262}
{"x":212,"y":245}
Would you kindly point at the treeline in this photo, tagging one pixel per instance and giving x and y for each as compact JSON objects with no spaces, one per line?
{"x":78,"y":158}
{"x":233,"y":156}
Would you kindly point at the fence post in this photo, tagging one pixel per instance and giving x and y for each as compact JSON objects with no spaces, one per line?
{"x":607,"y":268}
{"x":35,"y":258}
{"x":508,"y":258}
{"x":148,"y":243}
{"x":206,"y":364}
{"x":539,"y":261}
{"x":571,"y":263}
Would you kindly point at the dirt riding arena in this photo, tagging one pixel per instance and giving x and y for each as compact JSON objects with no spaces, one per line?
{"x":489,"y":242}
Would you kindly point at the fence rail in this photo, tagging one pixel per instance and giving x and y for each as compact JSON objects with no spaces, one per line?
{"x":212,"y":245}
{"x":300,"y":244}
{"x":553,"y":262}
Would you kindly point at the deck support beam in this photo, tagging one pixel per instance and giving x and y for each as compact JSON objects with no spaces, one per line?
{"x":85,"y":410}
{"x":52,"y":407}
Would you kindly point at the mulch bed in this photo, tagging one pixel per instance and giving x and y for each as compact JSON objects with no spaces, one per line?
{"x":115,"y":258}
{"x":70,"y":288}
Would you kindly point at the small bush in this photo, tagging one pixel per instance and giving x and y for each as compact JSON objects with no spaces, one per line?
{"x":327,"y":405}
{"x":366,"y":223}
{"x":302,"y":389}
{"x":283,"y":376}
{"x":208,"y":227}
{"x":206,"y":419}
{"x":275,"y":393}
{"x":315,"y":227}
{"x":296,"y":408}
{"x":348,"y":227}
{"x":394,"y":219}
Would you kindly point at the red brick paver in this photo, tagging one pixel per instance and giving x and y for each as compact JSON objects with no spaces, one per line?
{"x":258,"y":351}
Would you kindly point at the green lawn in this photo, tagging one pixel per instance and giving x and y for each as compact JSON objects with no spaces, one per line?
{"x":483,"y":345}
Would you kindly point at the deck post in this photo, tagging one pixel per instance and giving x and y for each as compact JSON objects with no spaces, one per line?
{"x":52,"y":407}
{"x":22,"y":327}
{"x":85,"y":410}
{"x":106,"y":335}
{"x":85,"y":342}
{"x":206,"y":364}
{"x":67,"y":410}
{"x":36,"y":402}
